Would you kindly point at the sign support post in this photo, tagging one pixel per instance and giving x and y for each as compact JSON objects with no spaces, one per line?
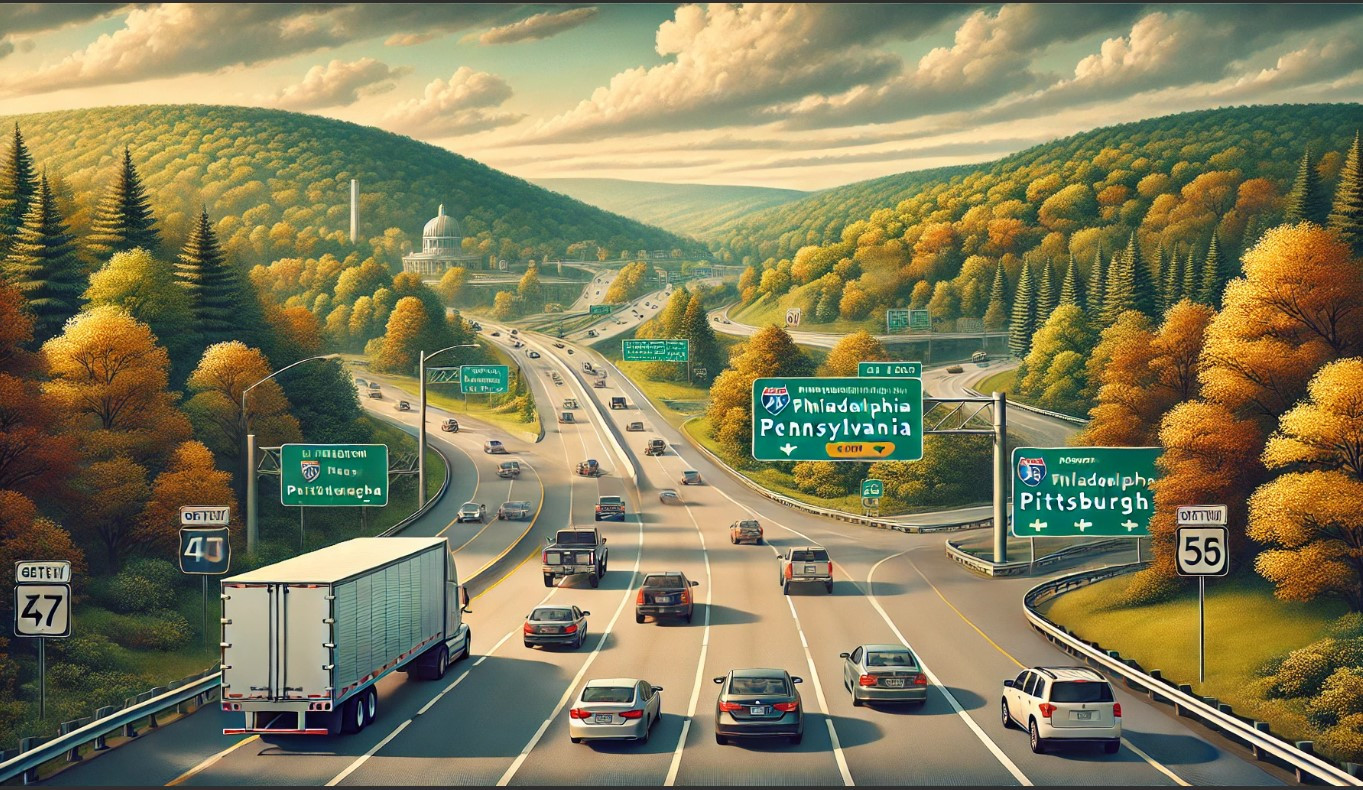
{"x":1001,"y":478}
{"x":1202,"y":629}
{"x":42,"y":677}
{"x":205,"y":613}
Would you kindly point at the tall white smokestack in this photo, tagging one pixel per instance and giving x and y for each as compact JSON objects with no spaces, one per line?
{"x":354,"y":209}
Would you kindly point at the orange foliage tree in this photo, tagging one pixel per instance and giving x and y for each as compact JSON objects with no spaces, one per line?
{"x":34,"y":458}
{"x":24,"y":535}
{"x":857,"y":347}
{"x":225,"y":370}
{"x":190,"y":479}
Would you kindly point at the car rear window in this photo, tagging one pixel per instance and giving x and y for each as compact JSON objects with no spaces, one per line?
{"x":552,"y":615}
{"x":809,"y":555}
{"x":1081,"y":691}
{"x":663,"y":580}
{"x":749,"y":525}
{"x":759,"y":686}
{"x":577,"y":538}
{"x":610,"y":500}
{"x":607,"y":694}
{"x":890,"y":658}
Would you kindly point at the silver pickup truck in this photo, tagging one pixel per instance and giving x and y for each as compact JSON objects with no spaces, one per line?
{"x":806,"y":564}
{"x":574,"y":551}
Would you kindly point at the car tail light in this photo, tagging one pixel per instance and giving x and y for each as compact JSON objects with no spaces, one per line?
{"x":544,"y":558}
{"x":1117,"y":709}
{"x":787,"y":707}
{"x":830,"y":568}
{"x":867,"y":680}
{"x":788,"y":567}
{"x":578,"y":713}
{"x":730,"y":707}
{"x":570,"y":629}
{"x":528,"y":629}
{"x":920,"y":680}
{"x":685,"y":596}
{"x":640,"y":599}
{"x":632,"y":714}
{"x":1046,"y":709}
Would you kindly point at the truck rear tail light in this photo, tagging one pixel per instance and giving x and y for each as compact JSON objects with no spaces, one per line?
{"x":787,"y":707}
{"x":920,"y":680}
{"x":640,"y":599}
{"x":685,"y":596}
{"x":1046,"y":709}
{"x":867,"y":680}
{"x":578,"y":713}
{"x":730,"y":707}
{"x":830,"y":568}
{"x":788,"y":567}
{"x":1117,"y":709}
{"x":632,"y":714}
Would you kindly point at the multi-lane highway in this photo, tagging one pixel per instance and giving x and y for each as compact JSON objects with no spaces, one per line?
{"x":501,"y":718}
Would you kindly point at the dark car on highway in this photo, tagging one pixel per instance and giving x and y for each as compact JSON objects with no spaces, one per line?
{"x":665,"y":595}
{"x":758,"y":703}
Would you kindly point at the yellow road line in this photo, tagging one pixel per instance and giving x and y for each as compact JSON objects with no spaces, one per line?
{"x":206,"y":763}
{"x":982,"y":634}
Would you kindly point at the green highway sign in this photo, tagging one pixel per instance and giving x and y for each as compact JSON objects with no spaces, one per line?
{"x":896,"y":319}
{"x":837,"y":419}
{"x":655,"y":350}
{"x":890,"y":370}
{"x":601,"y":309}
{"x":483,"y":379}
{"x":333,"y":475}
{"x":872,"y":489}
{"x":1083,"y":491}
{"x":919,"y":319}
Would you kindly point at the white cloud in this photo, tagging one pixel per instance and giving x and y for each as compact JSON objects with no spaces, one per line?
{"x":409,"y":39}
{"x":338,"y":84}
{"x":464,"y":104}
{"x":539,"y":26}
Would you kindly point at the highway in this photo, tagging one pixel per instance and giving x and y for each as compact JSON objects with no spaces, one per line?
{"x":728,"y":326}
{"x":500,"y":718}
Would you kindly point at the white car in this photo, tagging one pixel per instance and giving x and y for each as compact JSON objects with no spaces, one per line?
{"x":471,"y":511}
{"x":615,"y":709}
{"x":1070,"y":704}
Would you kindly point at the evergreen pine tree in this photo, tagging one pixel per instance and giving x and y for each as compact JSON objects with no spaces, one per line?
{"x":996,"y":314}
{"x":43,"y":265}
{"x":1191,"y":286}
{"x":1072,"y":290}
{"x":1120,"y":294}
{"x":1212,"y":276}
{"x":123,"y":219}
{"x":1306,"y":202}
{"x":18,"y":184}
{"x":1143,"y":283}
{"x":1097,"y":285}
{"x":1169,"y":274}
{"x":1346,"y":215}
{"x":213,"y":285}
{"x":1024,"y":317}
{"x":1047,"y":294}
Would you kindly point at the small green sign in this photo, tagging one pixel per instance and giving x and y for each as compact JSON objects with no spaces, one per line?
{"x":837,"y":419}
{"x":655,"y":350}
{"x":920,"y":320}
{"x":896,"y":319}
{"x":483,"y":379}
{"x":1083,"y":491}
{"x":890,"y":370}
{"x":333,"y":475}
{"x":872,"y":489}
{"x":601,"y":309}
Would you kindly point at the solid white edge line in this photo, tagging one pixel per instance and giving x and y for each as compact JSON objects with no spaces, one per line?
{"x":838,"y":755}
{"x":989,"y":744}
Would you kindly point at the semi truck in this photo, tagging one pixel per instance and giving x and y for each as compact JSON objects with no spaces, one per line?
{"x":305,"y":641}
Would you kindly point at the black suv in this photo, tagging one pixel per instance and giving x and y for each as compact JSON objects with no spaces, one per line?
{"x":665,"y":594}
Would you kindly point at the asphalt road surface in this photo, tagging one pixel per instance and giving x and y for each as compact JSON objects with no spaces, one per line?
{"x":500,"y":718}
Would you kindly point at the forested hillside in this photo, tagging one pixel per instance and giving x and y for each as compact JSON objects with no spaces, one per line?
{"x":694,"y":209}
{"x":277,"y":184}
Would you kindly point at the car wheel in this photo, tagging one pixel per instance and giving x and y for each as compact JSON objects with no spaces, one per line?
{"x":829,"y":587}
{"x":1007,"y":719}
{"x":527,"y":644}
{"x":1111,"y":747}
{"x":574,"y":740}
{"x":468,"y":645}
{"x":548,"y":580}
{"x":593,"y":580}
{"x":581,"y":637}
{"x":856,"y":703}
{"x":688,"y":617}
{"x":1038,"y":743}
{"x":638,"y":618}
{"x":785,"y":588}
{"x":733,"y":540}
{"x":720,"y":739}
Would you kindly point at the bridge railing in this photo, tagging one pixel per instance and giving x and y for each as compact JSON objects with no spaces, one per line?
{"x":1019,"y":567}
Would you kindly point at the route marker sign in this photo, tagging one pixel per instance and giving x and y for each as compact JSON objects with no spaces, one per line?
{"x":837,"y":419}
{"x":205,"y":516}
{"x":1202,"y":551}
{"x":890,"y":370}
{"x":1083,"y":491}
{"x":793,"y":316}
{"x":483,"y":379}
{"x":42,"y":610}
{"x":872,"y":489}
{"x":655,"y":350}
{"x":601,"y":309}
{"x":205,"y":551}
{"x":333,"y":475}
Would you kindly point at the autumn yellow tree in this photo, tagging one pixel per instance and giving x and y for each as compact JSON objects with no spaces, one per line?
{"x":1052,"y":374}
{"x":108,"y":381}
{"x":298,"y":331}
{"x":769,"y":352}
{"x":402,"y":342}
{"x":190,"y":477}
{"x":115,"y":491}
{"x":452,"y":283}
{"x":1312,"y":515}
{"x":214,"y":407}
{"x":857,"y":347}
{"x":504,"y":306}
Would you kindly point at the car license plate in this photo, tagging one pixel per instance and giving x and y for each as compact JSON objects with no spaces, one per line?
{"x":894,"y":683}
{"x":664,"y":599}
{"x":1083,"y":715}
{"x":810,"y":570}
{"x":758,"y":710}
{"x":603,"y":718}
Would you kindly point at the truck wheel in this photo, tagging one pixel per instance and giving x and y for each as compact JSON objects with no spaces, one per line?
{"x":829,"y":587}
{"x":352,"y":715}
{"x":371,"y":706}
{"x":548,"y":580}
{"x":593,"y":580}
{"x":785,"y":588}
{"x":468,"y":645}
{"x":442,"y":663}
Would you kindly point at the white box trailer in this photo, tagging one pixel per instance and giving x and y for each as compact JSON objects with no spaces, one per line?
{"x":304,"y":641}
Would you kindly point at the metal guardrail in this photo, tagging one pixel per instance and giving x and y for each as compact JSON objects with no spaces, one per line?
{"x":1217,"y":716}
{"x":35,"y":751}
{"x":851,"y":518}
{"x":1018,"y":568}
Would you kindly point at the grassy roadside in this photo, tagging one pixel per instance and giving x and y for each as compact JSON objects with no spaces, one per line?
{"x":1246,"y":626}
{"x":767,"y":310}
{"x":1003,"y":381}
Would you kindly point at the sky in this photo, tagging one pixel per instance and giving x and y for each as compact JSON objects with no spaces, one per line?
{"x":798,"y":96}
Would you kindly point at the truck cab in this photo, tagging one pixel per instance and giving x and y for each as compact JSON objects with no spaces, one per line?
{"x":806,"y":564}
{"x":610,"y":508}
{"x":573,"y":551}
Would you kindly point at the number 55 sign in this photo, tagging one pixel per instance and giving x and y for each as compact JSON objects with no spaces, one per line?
{"x":205,"y":551}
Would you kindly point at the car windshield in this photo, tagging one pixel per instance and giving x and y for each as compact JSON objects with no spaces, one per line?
{"x":758,"y":686}
{"x":1080,"y":691}
{"x":889,"y":658}
{"x":809,"y":555}
{"x":607,"y":694}
{"x":552,"y":615}
{"x":664,"y":580}
{"x":494,"y":444}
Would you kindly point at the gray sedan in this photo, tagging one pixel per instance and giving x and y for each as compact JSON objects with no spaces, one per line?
{"x":555,"y":625}
{"x":756,"y":703}
{"x":615,"y":709}
{"x":883,"y":673}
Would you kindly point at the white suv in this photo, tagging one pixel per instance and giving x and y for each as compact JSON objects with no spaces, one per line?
{"x":1063,"y":704}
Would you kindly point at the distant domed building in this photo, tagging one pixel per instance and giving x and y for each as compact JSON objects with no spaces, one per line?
{"x":441,"y":248}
